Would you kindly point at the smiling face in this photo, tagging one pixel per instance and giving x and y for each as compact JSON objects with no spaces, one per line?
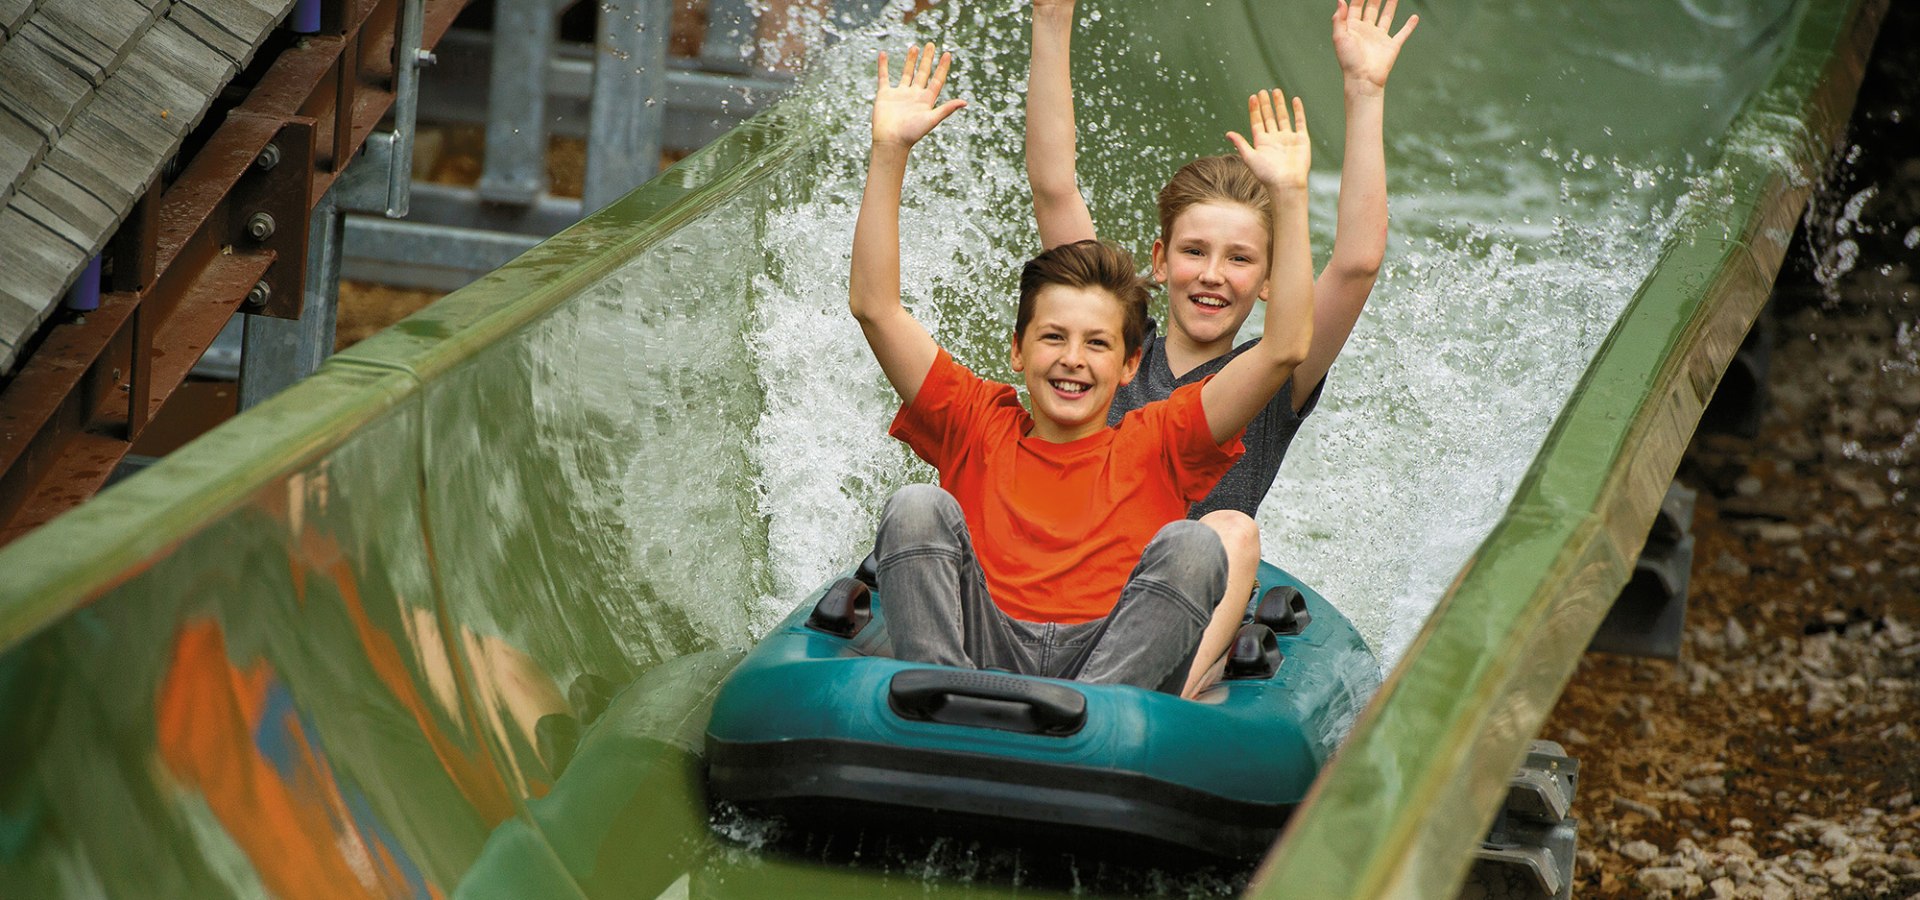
{"x":1214,"y":264}
{"x":1073,"y":356}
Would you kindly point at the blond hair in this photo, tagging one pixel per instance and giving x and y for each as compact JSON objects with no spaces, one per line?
{"x":1212,"y":179}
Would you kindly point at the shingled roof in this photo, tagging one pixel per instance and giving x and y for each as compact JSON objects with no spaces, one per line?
{"x":95,"y":97}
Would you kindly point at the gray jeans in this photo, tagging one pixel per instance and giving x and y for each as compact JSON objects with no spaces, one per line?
{"x":938,"y":609}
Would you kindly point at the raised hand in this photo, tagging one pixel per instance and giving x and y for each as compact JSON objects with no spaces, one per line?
{"x":1362,"y":42}
{"x":1280,"y":153}
{"x":1053,"y":4}
{"x":905,"y":113}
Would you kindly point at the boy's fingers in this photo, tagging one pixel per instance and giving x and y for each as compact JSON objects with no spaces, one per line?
{"x":913,"y":61}
{"x":1406,"y":29}
{"x":941,"y":112}
{"x":885,"y":82}
{"x":940,"y":73}
{"x":926,"y":66}
{"x":1299,"y":117}
{"x":1271,"y":103}
{"x":1386,"y":13}
{"x":1239,"y":143}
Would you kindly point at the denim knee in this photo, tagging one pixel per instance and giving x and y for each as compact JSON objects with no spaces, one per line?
{"x":1190,"y":553}
{"x":917,"y":515}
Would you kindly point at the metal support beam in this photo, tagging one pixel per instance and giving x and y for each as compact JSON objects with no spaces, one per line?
{"x":629,"y":85}
{"x":428,"y":257}
{"x":515,"y":170}
{"x":728,"y":44}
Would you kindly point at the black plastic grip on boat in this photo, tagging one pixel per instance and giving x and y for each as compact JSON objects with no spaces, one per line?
{"x":987,"y":700}
{"x":1255,"y":653}
{"x":1283,"y":609}
{"x":845,"y":608}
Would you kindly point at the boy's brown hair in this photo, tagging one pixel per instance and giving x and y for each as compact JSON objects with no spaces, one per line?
{"x":1088,"y":264}
{"x":1213,"y":179}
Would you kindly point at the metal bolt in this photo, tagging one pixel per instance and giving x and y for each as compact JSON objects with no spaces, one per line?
{"x":424,"y":58}
{"x":268,"y":158}
{"x":260,"y":226}
{"x":259,"y":295}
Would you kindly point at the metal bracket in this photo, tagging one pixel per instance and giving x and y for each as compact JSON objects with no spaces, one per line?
{"x":1650,"y":614}
{"x":268,"y":214}
{"x":1529,"y":850}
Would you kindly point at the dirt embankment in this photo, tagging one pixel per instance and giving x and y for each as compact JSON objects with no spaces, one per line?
{"x":1780,"y":756}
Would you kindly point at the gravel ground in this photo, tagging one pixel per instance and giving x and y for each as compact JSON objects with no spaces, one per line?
{"x":1780,"y":755}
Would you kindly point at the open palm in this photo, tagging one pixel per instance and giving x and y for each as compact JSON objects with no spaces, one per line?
{"x":1362,"y":41}
{"x":906,"y":112}
{"x":1279,"y":153}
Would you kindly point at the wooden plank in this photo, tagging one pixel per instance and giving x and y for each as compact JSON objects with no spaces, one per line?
{"x":88,"y":221}
{"x":39,"y":88}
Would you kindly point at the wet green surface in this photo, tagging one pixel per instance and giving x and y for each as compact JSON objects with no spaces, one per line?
{"x":442,"y":619}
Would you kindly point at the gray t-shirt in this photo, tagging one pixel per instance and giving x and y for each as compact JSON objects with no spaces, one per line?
{"x":1267,"y":437}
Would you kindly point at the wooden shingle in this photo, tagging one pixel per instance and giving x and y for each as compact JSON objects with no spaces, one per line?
{"x":103,"y":30}
{"x":40,"y":89}
{"x":21,"y":148}
{"x":14,"y":13}
{"x":249,"y":20}
{"x":54,"y":225}
{"x":38,"y":263}
{"x":75,"y":49}
{"x":83,"y":218}
{"x":196,"y":23}
{"x":171,"y":46}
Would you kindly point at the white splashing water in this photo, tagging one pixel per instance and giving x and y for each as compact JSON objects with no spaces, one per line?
{"x":1488,"y":310}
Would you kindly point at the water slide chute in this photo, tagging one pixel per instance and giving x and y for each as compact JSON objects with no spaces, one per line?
{"x":363,"y":634}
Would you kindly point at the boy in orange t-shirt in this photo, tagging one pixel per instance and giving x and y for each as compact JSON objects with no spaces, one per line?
{"x":1056,"y":545}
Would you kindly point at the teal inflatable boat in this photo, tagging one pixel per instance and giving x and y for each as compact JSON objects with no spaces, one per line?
{"x":820,"y":725}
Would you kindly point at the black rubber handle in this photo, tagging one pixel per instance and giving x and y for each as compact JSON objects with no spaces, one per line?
{"x":987,"y":700}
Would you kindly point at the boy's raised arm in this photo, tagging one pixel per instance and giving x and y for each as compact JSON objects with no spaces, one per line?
{"x":1279,"y":156}
{"x":1051,"y":164}
{"x":902,"y":115}
{"x":1367,"y":51}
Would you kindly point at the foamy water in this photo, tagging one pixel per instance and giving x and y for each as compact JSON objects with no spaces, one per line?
{"x":1497,"y":290}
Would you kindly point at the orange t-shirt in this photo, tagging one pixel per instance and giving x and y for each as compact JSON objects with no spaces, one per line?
{"x":1059,"y":527}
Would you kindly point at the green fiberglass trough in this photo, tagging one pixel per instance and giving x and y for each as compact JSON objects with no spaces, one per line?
{"x":446,"y":618}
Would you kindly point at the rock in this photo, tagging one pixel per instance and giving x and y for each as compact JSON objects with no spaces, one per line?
{"x":1706,"y":786}
{"x":1736,"y":847}
{"x":1728,"y":564}
{"x":1739,"y":823}
{"x":1722,"y":888}
{"x":1836,"y":839}
{"x":1635,"y":806}
{"x":1665,"y":878}
{"x":1736,"y":636}
{"x":1640,"y":851}
{"x":1865,"y":491}
{"x":1778,"y":532}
